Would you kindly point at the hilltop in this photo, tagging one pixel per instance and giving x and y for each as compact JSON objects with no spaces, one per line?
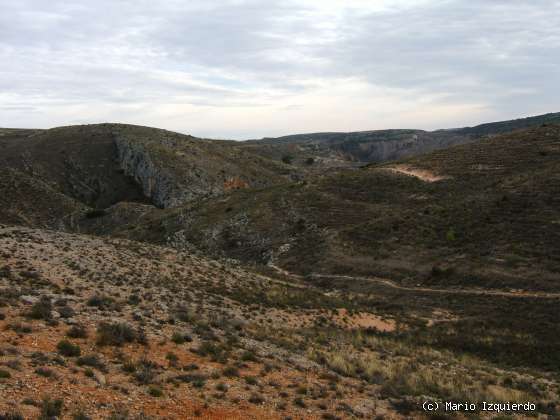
{"x":355,"y":148}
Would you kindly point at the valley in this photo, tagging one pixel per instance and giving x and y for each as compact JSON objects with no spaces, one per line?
{"x":152,"y":274}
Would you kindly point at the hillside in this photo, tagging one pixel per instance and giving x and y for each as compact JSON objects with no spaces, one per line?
{"x":109,"y":328}
{"x":98,"y":166}
{"x":489,"y":219}
{"x":350,"y":149}
{"x":167,"y":276}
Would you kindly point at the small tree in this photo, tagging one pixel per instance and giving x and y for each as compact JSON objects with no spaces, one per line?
{"x":287,"y":159}
{"x":450,"y":235}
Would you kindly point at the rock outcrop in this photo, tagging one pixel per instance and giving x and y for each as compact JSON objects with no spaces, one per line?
{"x":164,"y":175}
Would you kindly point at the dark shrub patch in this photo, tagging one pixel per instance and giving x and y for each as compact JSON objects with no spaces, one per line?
{"x":115,"y":334}
{"x":91,"y":360}
{"x":231,"y":372}
{"x":50,"y":408}
{"x":41,"y":309}
{"x":95,"y":213}
{"x":155,"y":391}
{"x":43,"y":371}
{"x":77,"y":331}
{"x":102,"y":302}
{"x":11,"y":416}
{"x":66,"y":312}
{"x":66,"y":348}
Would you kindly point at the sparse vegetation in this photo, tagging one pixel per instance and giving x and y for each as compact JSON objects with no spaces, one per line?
{"x":328,"y":289}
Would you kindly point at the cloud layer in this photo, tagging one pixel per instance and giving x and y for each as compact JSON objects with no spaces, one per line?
{"x":247,"y":68}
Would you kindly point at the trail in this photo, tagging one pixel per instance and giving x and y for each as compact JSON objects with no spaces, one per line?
{"x":392,"y":284}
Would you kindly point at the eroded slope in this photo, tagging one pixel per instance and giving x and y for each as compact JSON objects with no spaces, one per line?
{"x":107,"y":327}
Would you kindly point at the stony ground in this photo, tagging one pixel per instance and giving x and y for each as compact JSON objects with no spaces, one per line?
{"x":105,"y":328}
{"x":114,"y":328}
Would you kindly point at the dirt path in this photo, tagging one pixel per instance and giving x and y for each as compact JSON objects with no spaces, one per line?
{"x":422,"y":174}
{"x":394,"y":285}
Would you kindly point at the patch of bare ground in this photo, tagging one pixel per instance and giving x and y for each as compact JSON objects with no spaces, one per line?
{"x":422,"y":174}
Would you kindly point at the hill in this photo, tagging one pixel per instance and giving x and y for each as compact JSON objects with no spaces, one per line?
{"x":168,"y":276}
{"x":160,"y":333}
{"x":354,"y":148}
{"x":97,"y":166}
{"x":486,"y":213}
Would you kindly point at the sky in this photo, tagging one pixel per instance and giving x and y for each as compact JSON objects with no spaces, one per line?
{"x":239,"y":69}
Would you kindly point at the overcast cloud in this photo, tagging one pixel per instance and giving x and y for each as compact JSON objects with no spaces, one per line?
{"x":247,"y":69}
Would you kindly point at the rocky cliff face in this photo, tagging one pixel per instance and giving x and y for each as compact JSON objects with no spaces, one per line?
{"x":332,"y":149}
{"x":394,"y":149}
{"x":136,"y":162}
{"x":160,"y":177}
{"x":174,"y":169}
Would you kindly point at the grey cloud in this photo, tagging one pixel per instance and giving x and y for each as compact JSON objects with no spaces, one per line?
{"x":475,"y":49}
{"x":501,"y":54}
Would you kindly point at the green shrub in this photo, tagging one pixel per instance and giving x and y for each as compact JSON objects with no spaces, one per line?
{"x":155,"y":391}
{"x":256,"y":399}
{"x":179,"y":338}
{"x":134,"y":300}
{"x":81,"y":416}
{"x":66,"y":312}
{"x":41,"y":309}
{"x":129,"y":366}
{"x":450,"y":235}
{"x":100,"y":301}
{"x":145,"y":371}
{"x":172,"y":358}
{"x":50,"y":408}
{"x":20,"y":328}
{"x":91,"y":360}
{"x":198,"y":381}
{"x":221,"y":387}
{"x":251,"y":380}
{"x":287,"y":159}
{"x":231,"y":372}
{"x":184,"y":314}
{"x":115,"y":334}
{"x":66,"y":348}
{"x":77,"y":331}
{"x":249,"y":356}
{"x":45,"y":372}
{"x":11,"y":416}
{"x":95,"y":213}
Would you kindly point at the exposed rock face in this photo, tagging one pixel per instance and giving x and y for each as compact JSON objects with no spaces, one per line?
{"x":173,"y":169}
{"x":394,"y":149}
{"x":332,"y":149}
{"x":136,"y":162}
{"x":159,"y":182}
